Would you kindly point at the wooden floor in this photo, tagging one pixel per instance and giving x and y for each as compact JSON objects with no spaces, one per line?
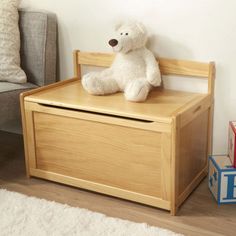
{"x":200,"y":215}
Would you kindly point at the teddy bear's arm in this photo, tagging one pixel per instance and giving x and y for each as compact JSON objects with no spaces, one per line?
{"x":153,"y":73}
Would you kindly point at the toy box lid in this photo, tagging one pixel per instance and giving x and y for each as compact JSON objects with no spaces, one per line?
{"x":160,"y":106}
{"x":222,"y":162}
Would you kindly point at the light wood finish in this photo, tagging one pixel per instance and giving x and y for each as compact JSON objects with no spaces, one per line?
{"x":106,"y":189}
{"x":61,"y":141}
{"x":211,"y":85}
{"x":153,"y":152}
{"x":175,"y":164}
{"x":95,"y":59}
{"x":167,"y":66}
{"x":210,"y":128}
{"x":193,"y":110}
{"x":199,"y":215}
{"x":165,"y":145}
{"x":77,"y":69}
{"x":185,"y":68}
{"x":160,"y":106}
{"x":211,"y":78}
{"x":30,"y":138}
{"x":23,"y":114}
{"x":188,"y":190}
{"x":192,"y":151}
{"x":23,"y":111}
{"x":134,"y":123}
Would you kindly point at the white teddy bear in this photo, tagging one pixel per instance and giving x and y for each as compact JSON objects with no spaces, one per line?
{"x":134,"y":70}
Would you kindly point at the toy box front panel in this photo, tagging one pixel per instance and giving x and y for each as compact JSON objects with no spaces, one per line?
{"x":232,"y":137}
{"x":107,"y":154}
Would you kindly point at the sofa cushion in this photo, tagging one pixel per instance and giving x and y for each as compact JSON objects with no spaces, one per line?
{"x":38,"y":31}
{"x":10,"y":43}
{"x":9,"y":87}
{"x":10,"y":119}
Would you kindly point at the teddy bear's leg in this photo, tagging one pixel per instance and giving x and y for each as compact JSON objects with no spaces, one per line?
{"x":137,"y":90}
{"x":98,"y":84}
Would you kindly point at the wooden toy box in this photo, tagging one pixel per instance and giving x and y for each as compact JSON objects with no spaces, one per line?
{"x":153,"y":152}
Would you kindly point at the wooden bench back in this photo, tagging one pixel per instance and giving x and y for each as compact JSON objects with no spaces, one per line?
{"x":167,"y":66}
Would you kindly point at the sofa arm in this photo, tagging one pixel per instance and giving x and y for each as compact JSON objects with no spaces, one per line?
{"x":38,"y":30}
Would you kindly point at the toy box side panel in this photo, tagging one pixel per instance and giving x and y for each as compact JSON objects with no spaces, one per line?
{"x":231,"y":145}
{"x":192,"y":154}
{"x":213,"y":177}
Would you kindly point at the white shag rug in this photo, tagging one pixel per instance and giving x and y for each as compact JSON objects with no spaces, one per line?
{"x":21,"y":215}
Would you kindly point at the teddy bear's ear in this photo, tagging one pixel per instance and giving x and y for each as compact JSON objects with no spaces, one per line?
{"x":118,"y":25}
{"x":141,"y":27}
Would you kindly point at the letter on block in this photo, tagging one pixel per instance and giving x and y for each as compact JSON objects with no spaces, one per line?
{"x":222,"y":179}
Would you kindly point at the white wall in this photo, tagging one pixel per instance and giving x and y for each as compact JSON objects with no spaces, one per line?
{"x":201,"y":30}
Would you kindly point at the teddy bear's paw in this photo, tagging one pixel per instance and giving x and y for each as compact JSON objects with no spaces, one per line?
{"x":92,"y":85}
{"x":136,"y":91}
{"x":155,"y":82}
{"x":91,"y":75}
{"x":154,"y":79}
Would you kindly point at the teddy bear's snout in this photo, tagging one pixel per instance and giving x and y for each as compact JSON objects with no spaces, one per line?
{"x":113,"y":42}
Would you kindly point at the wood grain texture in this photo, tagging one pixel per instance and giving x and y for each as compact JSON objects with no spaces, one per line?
{"x":160,"y":105}
{"x":61,"y":111}
{"x":192,"y":151}
{"x":107,"y":154}
{"x":167,"y":66}
{"x":211,"y":78}
{"x":152,"y":152}
{"x":97,"y":117}
{"x":183,"y":67}
{"x":175,"y":147}
{"x":166,"y":166}
{"x":30,"y":138}
{"x":211,"y":86}
{"x":101,"y":188}
{"x":77,"y":69}
{"x":199,"y":215}
{"x":193,"y":110}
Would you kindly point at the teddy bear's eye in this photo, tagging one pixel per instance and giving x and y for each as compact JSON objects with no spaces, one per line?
{"x":121,"y":33}
{"x":126,"y":33}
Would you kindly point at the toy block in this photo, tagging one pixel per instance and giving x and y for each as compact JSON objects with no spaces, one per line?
{"x":232,"y":141}
{"x":222,"y":179}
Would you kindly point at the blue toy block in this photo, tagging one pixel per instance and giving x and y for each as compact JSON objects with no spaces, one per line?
{"x":222,"y":179}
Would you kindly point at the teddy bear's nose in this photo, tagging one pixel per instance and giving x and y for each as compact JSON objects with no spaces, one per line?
{"x":113,"y":42}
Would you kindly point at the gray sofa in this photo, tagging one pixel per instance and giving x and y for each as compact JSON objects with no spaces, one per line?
{"x":38,"y":30}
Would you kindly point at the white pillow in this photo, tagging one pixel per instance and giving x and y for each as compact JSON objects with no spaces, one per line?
{"x":10,"y":43}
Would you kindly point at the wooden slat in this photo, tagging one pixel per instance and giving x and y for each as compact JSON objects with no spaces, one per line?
{"x":189,"y":189}
{"x":95,"y":59}
{"x":106,"y":189}
{"x":167,"y":66}
{"x":152,"y":126}
{"x":77,"y":71}
{"x":175,"y":163}
{"x":181,"y":67}
{"x":211,"y":87}
{"x":211,"y":78}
